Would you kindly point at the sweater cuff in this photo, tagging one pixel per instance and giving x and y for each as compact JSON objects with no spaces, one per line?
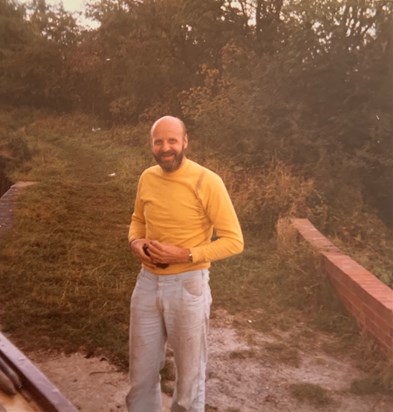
{"x":197,"y":255}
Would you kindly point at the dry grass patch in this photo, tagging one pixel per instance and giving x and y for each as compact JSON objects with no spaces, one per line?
{"x":283,"y":353}
{"x":311,"y":393}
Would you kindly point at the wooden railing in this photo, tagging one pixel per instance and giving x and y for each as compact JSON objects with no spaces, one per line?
{"x":35,"y":384}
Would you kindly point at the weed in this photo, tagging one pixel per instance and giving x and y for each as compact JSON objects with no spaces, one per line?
{"x":378,"y":371}
{"x":283,"y":352}
{"x":242,"y":354}
{"x":168,"y":376}
{"x":18,"y":147}
{"x":311,"y":393}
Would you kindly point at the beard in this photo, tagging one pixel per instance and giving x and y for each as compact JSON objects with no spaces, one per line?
{"x":171,"y":164}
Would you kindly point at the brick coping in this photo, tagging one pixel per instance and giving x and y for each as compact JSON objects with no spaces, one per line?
{"x":367,"y":298}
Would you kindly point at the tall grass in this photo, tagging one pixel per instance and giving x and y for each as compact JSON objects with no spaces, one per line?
{"x":265,"y":194}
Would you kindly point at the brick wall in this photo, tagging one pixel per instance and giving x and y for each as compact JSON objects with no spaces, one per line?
{"x":368,"y":299}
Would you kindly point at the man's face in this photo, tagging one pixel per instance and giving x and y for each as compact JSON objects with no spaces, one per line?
{"x":168,"y":143}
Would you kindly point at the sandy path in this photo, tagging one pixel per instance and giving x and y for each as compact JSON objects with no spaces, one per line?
{"x":239,"y":378}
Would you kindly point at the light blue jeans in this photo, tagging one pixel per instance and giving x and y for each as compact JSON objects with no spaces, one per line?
{"x":173,"y":309}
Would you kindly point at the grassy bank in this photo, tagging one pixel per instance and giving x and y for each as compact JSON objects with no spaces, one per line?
{"x":71,"y":278}
{"x":66,"y":274}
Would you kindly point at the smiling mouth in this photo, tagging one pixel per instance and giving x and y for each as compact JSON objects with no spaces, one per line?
{"x":167,"y":156}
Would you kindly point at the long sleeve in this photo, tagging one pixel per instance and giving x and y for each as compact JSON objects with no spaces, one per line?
{"x":138,"y":225}
{"x":221,"y":213}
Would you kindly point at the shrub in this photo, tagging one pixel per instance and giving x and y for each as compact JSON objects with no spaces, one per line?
{"x":19,"y":147}
{"x":263,"y":195}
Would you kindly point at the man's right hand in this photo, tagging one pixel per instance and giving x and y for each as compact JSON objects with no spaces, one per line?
{"x":136,"y":247}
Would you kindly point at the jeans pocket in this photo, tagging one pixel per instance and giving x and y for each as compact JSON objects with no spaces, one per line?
{"x":194,"y":285}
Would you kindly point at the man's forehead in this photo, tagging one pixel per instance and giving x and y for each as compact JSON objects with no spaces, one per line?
{"x":168,"y":125}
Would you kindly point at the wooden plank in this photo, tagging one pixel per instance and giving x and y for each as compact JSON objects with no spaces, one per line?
{"x":18,"y":403}
{"x":35,"y":383}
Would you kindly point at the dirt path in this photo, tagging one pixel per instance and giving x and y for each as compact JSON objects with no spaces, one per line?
{"x":240,"y":378}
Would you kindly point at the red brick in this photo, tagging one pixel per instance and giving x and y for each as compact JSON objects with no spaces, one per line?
{"x":354,"y":309}
{"x":348,"y":292}
{"x":376,"y":294}
{"x":386,"y":344}
{"x":379,"y":307}
{"x":378,"y":334}
{"x":365,"y":296}
{"x":382,"y":337}
{"x":378,"y":320}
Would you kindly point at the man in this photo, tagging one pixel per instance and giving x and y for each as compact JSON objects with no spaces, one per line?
{"x":177,"y":206}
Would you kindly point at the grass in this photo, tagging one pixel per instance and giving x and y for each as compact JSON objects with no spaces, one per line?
{"x":66,"y":274}
{"x":283,"y":353}
{"x":375,"y":254}
{"x":311,"y":393}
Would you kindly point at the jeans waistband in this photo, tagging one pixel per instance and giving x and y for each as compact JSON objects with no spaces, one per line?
{"x":170,"y":278}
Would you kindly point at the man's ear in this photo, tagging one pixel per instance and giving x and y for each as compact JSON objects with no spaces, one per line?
{"x":185,"y":141}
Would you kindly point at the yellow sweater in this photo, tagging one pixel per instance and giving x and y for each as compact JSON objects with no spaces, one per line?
{"x":182,"y":208}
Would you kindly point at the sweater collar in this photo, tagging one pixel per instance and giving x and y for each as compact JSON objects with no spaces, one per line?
{"x":178,"y":171}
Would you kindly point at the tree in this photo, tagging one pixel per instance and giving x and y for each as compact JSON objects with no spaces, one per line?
{"x":319,"y":97}
{"x":34,"y":50}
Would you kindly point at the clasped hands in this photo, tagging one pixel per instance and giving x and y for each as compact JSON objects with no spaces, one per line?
{"x":158,"y":253}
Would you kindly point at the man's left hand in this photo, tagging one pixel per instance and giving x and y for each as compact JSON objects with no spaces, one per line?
{"x":164,"y":253}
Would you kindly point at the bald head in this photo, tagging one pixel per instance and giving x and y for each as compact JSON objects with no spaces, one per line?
{"x":168,"y":122}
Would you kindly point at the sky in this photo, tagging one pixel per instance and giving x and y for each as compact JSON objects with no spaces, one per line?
{"x":71,"y":6}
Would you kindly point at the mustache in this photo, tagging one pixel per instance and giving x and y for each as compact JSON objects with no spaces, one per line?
{"x":169,"y":152}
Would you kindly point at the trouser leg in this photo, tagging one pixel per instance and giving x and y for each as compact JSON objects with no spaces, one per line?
{"x":147,"y":347}
{"x":186,"y":320}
